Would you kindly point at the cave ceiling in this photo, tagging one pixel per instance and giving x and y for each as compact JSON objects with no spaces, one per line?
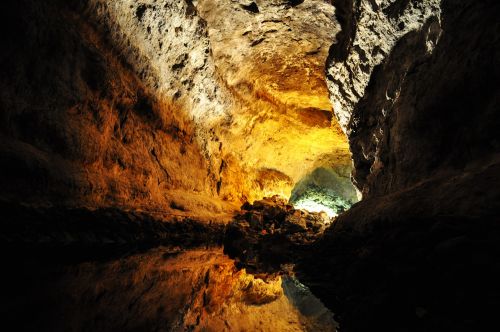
{"x":271,"y":55}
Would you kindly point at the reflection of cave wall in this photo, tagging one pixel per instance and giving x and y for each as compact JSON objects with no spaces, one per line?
{"x":164,"y":289}
{"x":330,"y":187}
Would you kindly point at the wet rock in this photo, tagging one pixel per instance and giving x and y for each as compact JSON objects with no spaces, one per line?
{"x":269,"y":233}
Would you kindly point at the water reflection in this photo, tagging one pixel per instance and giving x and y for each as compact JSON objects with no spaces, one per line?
{"x":162,"y":289}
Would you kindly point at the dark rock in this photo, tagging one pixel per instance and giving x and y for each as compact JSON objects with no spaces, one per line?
{"x":82,"y":227}
{"x":251,"y":7}
{"x":269,"y":233}
{"x":246,"y":206}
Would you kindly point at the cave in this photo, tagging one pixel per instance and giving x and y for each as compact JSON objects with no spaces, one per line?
{"x":250,"y":165}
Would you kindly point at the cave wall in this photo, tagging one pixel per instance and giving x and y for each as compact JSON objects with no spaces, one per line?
{"x":101,"y":103}
{"x":327,"y":187}
{"x":159,"y":104}
{"x":127,"y":103}
{"x":414,"y":85}
{"x":271,"y":56}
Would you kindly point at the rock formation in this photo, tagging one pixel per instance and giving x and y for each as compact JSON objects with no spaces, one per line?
{"x":419,"y":105}
{"x":117,"y":116}
{"x":271,"y":55}
{"x":270,"y":233}
{"x":409,"y":81}
{"x":100,"y":102}
{"x":415,"y":87}
{"x":160,"y":105}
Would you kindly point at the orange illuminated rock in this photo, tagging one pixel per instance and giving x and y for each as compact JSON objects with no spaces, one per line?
{"x":163,"y":106}
{"x":273,"y":61}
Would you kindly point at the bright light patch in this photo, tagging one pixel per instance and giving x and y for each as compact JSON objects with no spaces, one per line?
{"x":317,"y":199}
{"x":312,"y":206}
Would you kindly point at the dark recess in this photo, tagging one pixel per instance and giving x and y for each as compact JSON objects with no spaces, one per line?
{"x":253,"y":8}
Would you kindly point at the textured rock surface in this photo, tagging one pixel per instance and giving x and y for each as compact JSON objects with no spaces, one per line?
{"x":271,"y":55}
{"x":370,"y":30}
{"x":423,"y":92}
{"x":420,"y":252}
{"x":325,"y":188}
{"x":176,"y":106}
{"x":160,"y":105}
{"x":101,"y":104}
{"x":166,"y":43}
{"x":269,"y":234}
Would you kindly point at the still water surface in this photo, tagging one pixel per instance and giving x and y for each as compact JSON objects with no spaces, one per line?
{"x":159,"y":289}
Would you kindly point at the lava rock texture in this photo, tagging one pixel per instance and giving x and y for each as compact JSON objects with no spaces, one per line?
{"x":270,"y":233}
{"x":116,"y":106}
{"x":271,"y":55}
{"x":100,"y":106}
{"x":423,"y":96}
{"x":415,"y":86}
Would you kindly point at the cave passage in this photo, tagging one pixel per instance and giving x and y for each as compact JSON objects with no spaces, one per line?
{"x":325,"y":190}
{"x":283,"y":135}
{"x":250,"y":165}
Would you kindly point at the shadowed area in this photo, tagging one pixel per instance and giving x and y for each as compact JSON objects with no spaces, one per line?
{"x":161,"y":289}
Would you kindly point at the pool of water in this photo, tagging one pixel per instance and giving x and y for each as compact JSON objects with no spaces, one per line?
{"x":158,"y":289}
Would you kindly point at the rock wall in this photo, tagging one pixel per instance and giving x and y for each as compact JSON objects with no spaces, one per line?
{"x":166,"y":43}
{"x":102,"y":103}
{"x":160,"y":105}
{"x":370,"y":29}
{"x":420,"y":252}
{"x":413,"y":85}
{"x":271,"y":55}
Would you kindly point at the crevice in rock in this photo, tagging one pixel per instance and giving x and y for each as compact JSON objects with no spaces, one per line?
{"x":251,"y":7}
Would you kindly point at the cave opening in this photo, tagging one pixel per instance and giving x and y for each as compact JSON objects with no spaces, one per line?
{"x":328,"y":190}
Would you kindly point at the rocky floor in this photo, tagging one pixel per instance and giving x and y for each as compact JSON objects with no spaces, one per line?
{"x":270,"y":232}
{"x":406,"y":261}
